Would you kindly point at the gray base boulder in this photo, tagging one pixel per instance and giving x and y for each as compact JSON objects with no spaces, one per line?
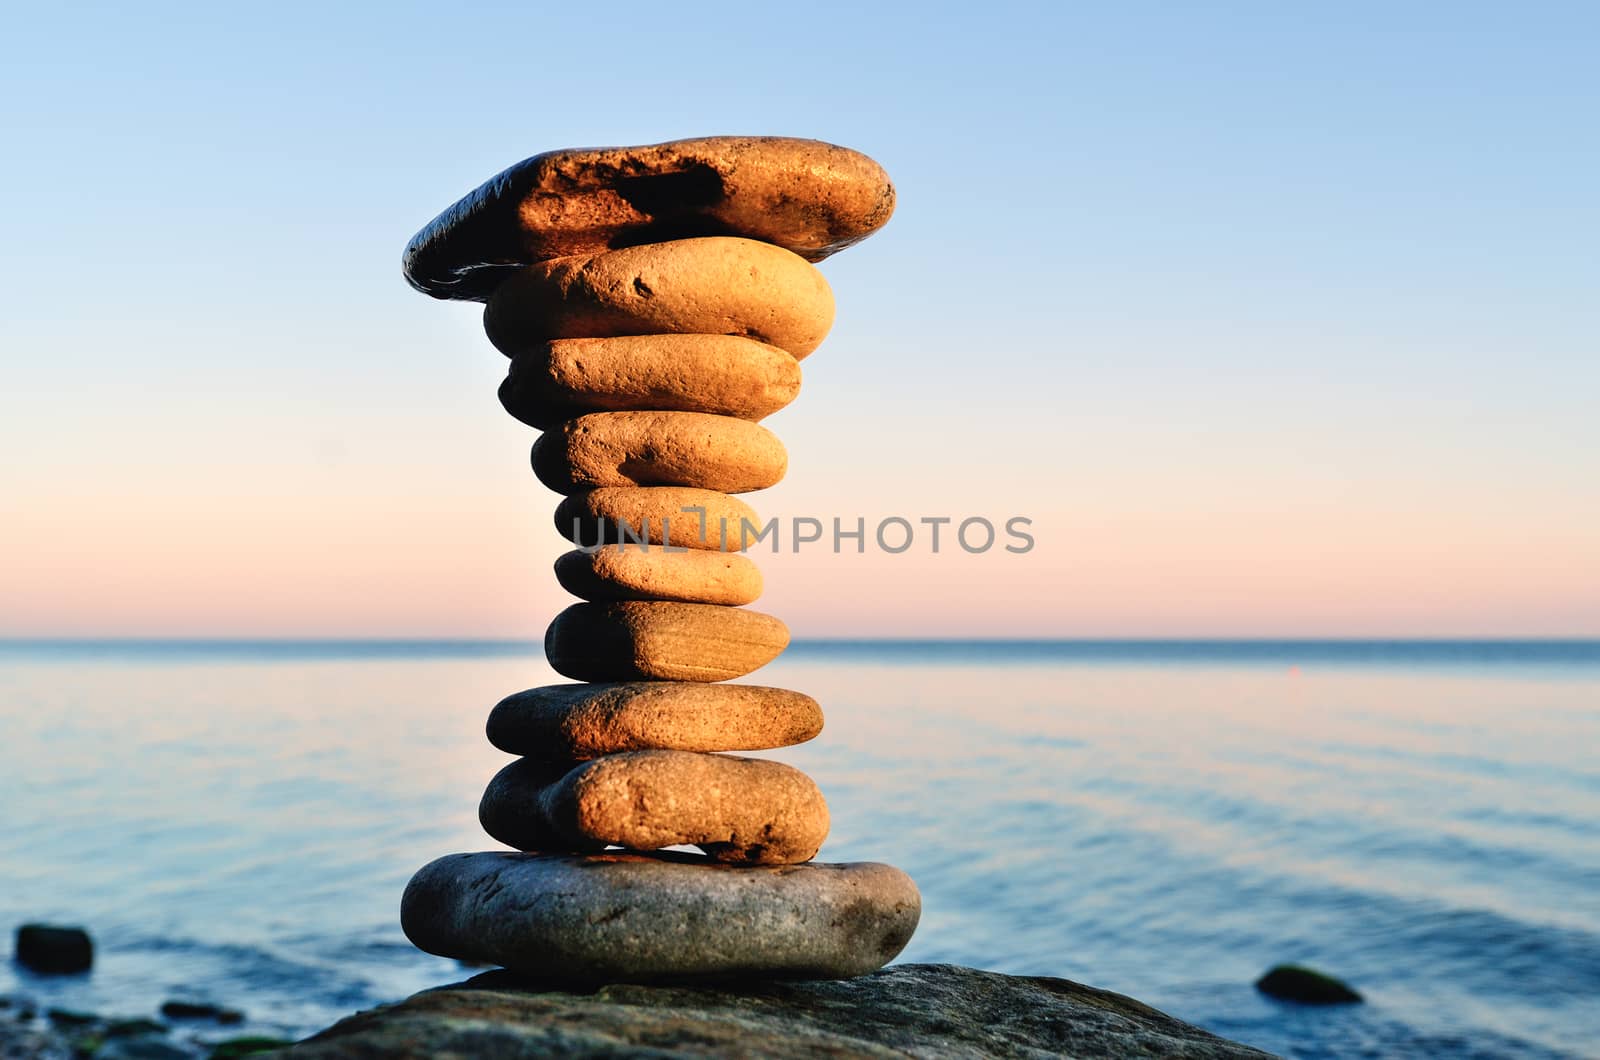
{"x":918,"y":1010}
{"x":624,"y":917}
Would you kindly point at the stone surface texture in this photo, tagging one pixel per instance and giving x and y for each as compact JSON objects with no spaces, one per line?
{"x":737,"y":810}
{"x":721,"y":374}
{"x":713,"y":286}
{"x":653,"y":640}
{"x":694,"y":449}
{"x":680,"y":516}
{"x":633,"y":572}
{"x":924,"y":1011}
{"x":644,"y":917}
{"x":586,"y":720}
{"x":810,"y":197}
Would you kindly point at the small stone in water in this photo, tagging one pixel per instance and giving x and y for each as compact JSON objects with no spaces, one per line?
{"x":1292,"y":982}
{"x":54,"y":950}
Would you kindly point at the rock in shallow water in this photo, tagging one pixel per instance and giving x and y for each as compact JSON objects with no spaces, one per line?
{"x":200,"y":1010}
{"x":935,"y":1011}
{"x":1292,"y":982}
{"x":633,"y":917}
{"x":54,"y":950}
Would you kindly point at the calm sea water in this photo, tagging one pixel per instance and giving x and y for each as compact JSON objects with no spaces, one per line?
{"x":236,"y":822}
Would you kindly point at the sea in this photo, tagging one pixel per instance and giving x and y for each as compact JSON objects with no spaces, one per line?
{"x":234,"y":822}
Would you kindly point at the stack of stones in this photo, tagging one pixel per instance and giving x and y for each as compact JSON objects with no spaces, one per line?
{"x":655,"y":303}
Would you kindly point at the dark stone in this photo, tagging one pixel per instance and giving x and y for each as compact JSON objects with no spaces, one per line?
{"x":148,"y":1047}
{"x":62,"y":1017}
{"x":248,"y":1046}
{"x":200,"y":1010}
{"x":23,"y":1042}
{"x":927,"y":1010}
{"x":133,"y":1028}
{"x":1291,"y":982}
{"x":54,"y":950}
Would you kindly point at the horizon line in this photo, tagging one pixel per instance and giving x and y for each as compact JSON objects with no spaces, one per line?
{"x":1249,"y":638}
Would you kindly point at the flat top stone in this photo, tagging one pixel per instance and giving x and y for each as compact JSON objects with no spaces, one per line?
{"x":811,"y":197}
{"x":916,"y":1010}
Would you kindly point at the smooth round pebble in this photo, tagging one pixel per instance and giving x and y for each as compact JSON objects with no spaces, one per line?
{"x":659,"y":449}
{"x":680,"y":516}
{"x":747,"y":810}
{"x":712,"y":286}
{"x":720,"y":374}
{"x":652,"y":640}
{"x":638,"y":572}
{"x":571,"y":722}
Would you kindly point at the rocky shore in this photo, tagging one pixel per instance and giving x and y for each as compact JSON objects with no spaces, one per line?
{"x":918,"y":1010}
{"x":180,"y":1031}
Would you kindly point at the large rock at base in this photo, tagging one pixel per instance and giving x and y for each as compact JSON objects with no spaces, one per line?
{"x":632,"y":917}
{"x":804,"y":195}
{"x":918,"y":1010}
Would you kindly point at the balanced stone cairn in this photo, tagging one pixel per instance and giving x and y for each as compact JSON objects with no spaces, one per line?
{"x":655,"y":303}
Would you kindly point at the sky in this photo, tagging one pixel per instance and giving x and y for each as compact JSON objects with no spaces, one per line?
{"x":1275,"y":320}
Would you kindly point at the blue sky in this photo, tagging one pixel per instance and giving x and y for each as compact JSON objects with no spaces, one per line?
{"x":1276,"y":320}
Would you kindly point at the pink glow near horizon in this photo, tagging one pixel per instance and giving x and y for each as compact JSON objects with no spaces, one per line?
{"x":438,"y":558}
